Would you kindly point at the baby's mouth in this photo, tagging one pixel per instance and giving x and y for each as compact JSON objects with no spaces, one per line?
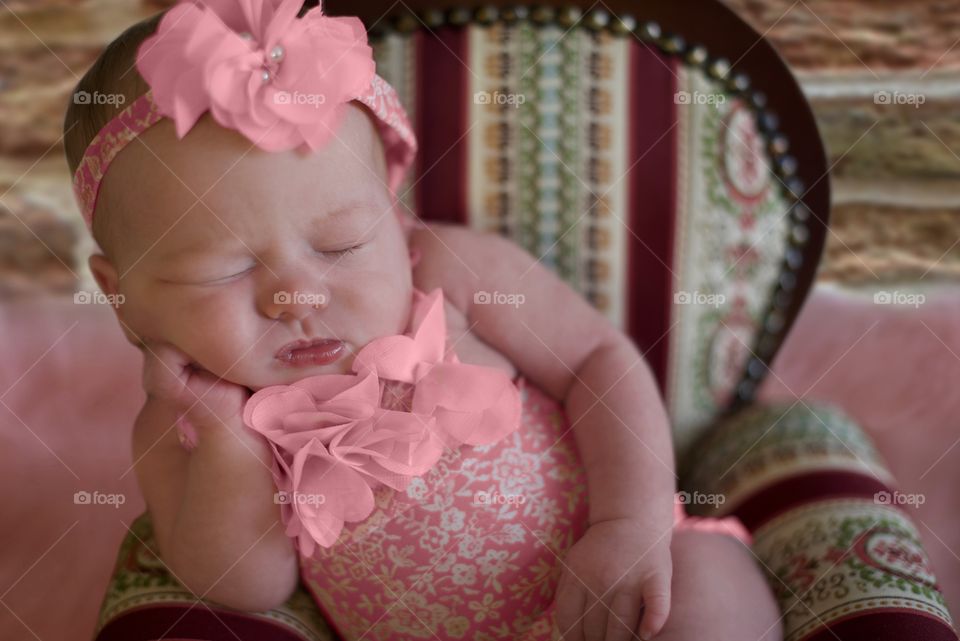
{"x":318,"y":351}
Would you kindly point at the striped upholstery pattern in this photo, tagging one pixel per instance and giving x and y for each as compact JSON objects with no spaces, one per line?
{"x":636,"y":177}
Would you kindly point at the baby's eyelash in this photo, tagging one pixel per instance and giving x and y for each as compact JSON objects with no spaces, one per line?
{"x":233,"y":276}
{"x":344,"y":252}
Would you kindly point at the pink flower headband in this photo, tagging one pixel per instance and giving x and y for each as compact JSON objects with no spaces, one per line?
{"x":281,"y":81}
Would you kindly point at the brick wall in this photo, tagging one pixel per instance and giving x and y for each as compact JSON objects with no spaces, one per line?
{"x":45,"y":46}
{"x":895,"y":166}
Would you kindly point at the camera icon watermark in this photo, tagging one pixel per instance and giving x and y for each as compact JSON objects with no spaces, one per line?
{"x":299,"y":298}
{"x":84,"y":497}
{"x":697,"y":298}
{"x":498,"y":298}
{"x":499,"y":98}
{"x":899,"y":98}
{"x":298,"y":498}
{"x":899,"y":298}
{"x":97,"y":298}
{"x":496,"y":498}
{"x":699,"y":98}
{"x":98,"y":98}
{"x":899,"y":498}
{"x":299,"y":98}
{"x":699,"y":498}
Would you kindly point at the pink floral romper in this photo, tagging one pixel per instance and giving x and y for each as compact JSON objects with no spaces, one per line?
{"x":472,"y":549}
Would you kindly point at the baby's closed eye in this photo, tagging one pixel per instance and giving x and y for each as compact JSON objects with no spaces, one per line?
{"x":224,"y":275}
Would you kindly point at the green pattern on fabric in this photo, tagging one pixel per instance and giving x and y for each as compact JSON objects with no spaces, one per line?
{"x":528,"y":122}
{"x":569,"y":120}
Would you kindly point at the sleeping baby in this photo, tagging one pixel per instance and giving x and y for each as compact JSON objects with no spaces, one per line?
{"x":334,"y":399}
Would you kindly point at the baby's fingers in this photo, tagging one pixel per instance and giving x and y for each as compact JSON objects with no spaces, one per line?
{"x":623,"y":617}
{"x":656,"y":605}
{"x":170,"y":375}
{"x":164,"y":370}
{"x":595,"y":619}
{"x":569,"y":612}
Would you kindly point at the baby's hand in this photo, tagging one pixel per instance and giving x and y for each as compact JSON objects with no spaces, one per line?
{"x":623,"y":563}
{"x":203,"y":399}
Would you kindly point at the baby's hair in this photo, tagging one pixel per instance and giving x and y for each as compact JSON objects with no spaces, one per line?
{"x":113,"y":74}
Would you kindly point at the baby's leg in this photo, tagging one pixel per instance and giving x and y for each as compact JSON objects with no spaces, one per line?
{"x":719,"y":592}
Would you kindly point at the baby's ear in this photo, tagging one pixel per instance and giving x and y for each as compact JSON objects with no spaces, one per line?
{"x":106,"y":276}
{"x":104,"y":273}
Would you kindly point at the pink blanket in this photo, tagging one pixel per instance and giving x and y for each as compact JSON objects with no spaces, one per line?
{"x":70,"y":389}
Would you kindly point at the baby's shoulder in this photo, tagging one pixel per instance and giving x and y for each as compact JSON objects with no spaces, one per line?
{"x":452,"y":258}
{"x":447,"y":260}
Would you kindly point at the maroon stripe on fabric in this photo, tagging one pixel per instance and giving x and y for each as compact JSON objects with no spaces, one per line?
{"x":652,"y":185}
{"x":810,"y":487}
{"x":885,"y":625}
{"x":161,"y":621}
{"x":442,"y":103}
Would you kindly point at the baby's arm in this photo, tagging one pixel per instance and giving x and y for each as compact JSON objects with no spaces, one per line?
{"x":215,"y":521}
{"x":565,"y":346}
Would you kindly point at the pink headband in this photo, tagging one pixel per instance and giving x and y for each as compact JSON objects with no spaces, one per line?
{"x":282,"y":81}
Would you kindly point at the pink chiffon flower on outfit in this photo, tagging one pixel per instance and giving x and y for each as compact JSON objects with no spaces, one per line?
{"x":336,"y":437}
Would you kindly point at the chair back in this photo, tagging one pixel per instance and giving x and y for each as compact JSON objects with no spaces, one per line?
{"x":664,"y":162}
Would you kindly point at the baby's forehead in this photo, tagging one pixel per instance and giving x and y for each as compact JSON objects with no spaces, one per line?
{"x":213,"y":163}
{"x":355,"y":139}
{"x":215,"y":170}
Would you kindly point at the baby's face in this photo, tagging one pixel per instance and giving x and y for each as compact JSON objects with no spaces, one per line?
{"x":281,"y":247}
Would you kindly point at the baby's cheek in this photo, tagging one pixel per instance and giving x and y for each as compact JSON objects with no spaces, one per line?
{"x":218,"y":343}
{"x":216,"y":333}
{"x":145,"y":317}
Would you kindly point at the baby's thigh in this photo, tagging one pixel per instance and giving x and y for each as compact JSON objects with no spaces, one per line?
{"x":719,"y":592}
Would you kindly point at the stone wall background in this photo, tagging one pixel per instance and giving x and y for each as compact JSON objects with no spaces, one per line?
{"x":895,"y":165}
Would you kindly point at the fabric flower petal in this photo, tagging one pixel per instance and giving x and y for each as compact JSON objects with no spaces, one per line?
{"x":326,"y":493}
{"x":264,"y":411}
{"x":397,"y":357}
{"x":392,"y":449}
{"x":281,"y":23}
{"x":288,"y":415}
{"x":229,"y":12}
{"x":474,"y":404}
